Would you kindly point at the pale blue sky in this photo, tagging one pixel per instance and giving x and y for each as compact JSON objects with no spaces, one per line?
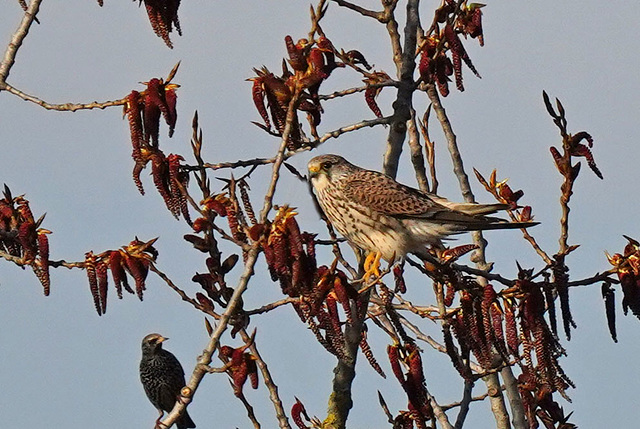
{"x":63,"y":366}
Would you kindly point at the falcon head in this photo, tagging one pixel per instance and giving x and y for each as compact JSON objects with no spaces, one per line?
{"x":152,"y":343}
{"x":329,"y":168}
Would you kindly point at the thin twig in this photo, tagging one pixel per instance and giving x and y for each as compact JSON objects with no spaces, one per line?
{"x":354,"y":90}
{"x":380,"y":16}
{"x":64,"y":107}
{"x":271,"y":306}
{"x":182,"y":293}
{"x":268,"y":381}
{"x":439,"y":412}
{"x":417,"y":158}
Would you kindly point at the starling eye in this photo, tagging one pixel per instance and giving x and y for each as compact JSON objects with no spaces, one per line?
{"x":326,"y":165}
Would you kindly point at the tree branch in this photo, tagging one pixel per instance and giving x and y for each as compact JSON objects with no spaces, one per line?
{"x":9,"y":58}
{"x":64,"y":107}
{"x":406,"y":65}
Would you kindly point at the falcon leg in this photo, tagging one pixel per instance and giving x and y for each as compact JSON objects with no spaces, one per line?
{"x":372,"y":265}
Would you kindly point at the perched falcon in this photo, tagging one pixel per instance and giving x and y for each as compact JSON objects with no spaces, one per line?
{"x":162,"y":377}
{"x":380,"y":215}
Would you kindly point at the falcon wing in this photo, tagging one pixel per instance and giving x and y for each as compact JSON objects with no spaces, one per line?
{"x":381,"y":193}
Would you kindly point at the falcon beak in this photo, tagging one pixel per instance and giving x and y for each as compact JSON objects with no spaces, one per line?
{"x":314,"y":169}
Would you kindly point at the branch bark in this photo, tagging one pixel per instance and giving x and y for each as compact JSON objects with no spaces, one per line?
{"x":9,"y":58}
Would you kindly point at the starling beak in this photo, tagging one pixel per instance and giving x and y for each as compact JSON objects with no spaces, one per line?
{"x":377,"y":214}
{"x":162,"y":377}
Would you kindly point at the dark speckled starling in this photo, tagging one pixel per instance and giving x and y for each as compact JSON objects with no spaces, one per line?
{"x":162,"y":377}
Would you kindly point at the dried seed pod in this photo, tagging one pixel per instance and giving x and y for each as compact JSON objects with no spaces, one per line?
{"x":90,"y":267}
{"x":393,"y":352}
{"x":297,"y":54}
{"x":246,"y":202}
{"x":171,"y":99}
{"x":27,"y":238}
{"x":43,"y":260}
{"x":138,"y":268}
{"x":368,"y":353}
{"x":401,"y":286}
{"x":253,"y":370}
{"x":513,"y":341}
{"x":134,"y":116}
{"x":103,"y":284}
{"x":310,"y":245}
{"x":608,"y":295}
{"x":297,"y":412}
{"x":206,"y":303}
{"x":118,"y":272}
{"x":449,"y":295}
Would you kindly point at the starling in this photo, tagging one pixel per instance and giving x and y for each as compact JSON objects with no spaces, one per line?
{"x":162,"y":377}
{"x":378,"y":214}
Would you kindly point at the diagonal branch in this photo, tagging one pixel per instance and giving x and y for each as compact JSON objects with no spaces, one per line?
{"x":380,"y":16}
{"x":9,"y":58}
{"x":252,"y":256}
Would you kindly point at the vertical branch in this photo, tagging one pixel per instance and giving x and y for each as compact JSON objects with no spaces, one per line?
{"x":394,"y":34}
{"x":452,"y":144}
{"x":403,"y":106}
{"x":515,"y":401}
{"x":492,"y":381}
{"x":417,"y":158}
{"x":16,"y":41}
{"x":280,"y":157}
{"x":340,"y":401}
{"x":496,"y":399}
{"x":464,"y":404}
{"x":430,"y":148}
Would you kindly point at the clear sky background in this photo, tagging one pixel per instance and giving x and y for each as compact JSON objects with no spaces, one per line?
{"x":63,"y":366}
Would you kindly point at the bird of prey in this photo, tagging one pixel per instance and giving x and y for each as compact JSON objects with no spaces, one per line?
{"x":379,"y":215}
{"x":162,"y":377}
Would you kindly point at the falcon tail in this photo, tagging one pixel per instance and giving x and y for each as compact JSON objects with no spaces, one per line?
{"x":489,"y":223}
{"x":473,"y":209}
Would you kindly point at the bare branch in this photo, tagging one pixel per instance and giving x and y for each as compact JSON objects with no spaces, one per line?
{"x":271,"y":306}
{"x":464,"y":404}
{"x":205,"y":358}
{"x":9,"y":58}
{"x":515,"y":401}
{"x":406,"y":65}
{"x":417,"y":158}
{"x":65,"y":107}
{"x":380,"y":16}
{"x":357,"y":89}
{"x":268,"y":381}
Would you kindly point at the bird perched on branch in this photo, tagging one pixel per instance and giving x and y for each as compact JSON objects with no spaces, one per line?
{"x":162,"y":377}
{"x":388,"y":219}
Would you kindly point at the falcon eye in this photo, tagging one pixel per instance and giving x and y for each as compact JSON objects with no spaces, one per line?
{"x":326,"y":165}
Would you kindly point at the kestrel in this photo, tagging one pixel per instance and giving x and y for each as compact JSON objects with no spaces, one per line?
{"x":379,"y":215}
{"x":162,"y":377}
